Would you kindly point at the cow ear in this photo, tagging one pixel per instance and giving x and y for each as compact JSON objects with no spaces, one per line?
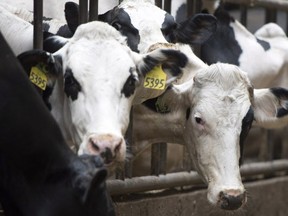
{"x":49,"y":64}
{"x":271,"y":107}
{"x":72,"y":15}
{"x":195,"y":30}
{"x":96,"y":196}
{"x":171,"y":61}
{"x":158,"y":69}
{"x":42,"y":69}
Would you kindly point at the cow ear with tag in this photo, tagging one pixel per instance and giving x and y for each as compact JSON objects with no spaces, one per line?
{"x":42,"y":69}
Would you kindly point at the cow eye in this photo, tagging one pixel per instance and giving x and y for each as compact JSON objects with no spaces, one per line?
{"x":129,"y":86}
{"x":117,"y":25}
{"x":198,"y":120}
{"x":71,"y":85}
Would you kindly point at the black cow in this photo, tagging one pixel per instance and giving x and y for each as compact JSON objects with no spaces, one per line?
{"x":39,"y":174}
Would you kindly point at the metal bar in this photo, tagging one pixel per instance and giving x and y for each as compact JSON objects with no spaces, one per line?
{"x":38,"y":16}
{"x":167,"y":6}
{"x":270,"y":15}
{"x":146,"y":183}
{"x":271,"y":4}
{"x":93,"y":10}
{"x":190,"y":7}
{"x":158,"y":158}
{"x":129,"y":141}
{"x":243,"y":12}
{"x":158,"y":3}
{"x":83,"y":11}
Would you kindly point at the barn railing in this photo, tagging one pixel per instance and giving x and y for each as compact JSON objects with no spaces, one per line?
{"x":161,"y":180}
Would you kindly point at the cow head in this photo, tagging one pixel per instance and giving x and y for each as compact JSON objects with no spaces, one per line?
{"x":97,"y":79}
{"x":145,"y":24}
{"x":221,"y":106}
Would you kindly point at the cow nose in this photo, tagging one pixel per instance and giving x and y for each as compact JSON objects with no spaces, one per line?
{"x":107,"y":146}
{"x":231,"y":199}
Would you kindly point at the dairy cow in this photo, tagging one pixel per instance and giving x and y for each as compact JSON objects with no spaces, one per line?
{"x":40,"y":175}
{"x":92,"y":82}
{"x":211,"y":114}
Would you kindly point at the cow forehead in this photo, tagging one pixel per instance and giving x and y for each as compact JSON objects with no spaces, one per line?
{"x":141,"y":12}
{"x":101,"y":61}
{"x":221,"y":90}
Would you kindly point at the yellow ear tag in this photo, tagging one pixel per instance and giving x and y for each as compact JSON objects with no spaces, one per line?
{"x":155,"y":79}
{"x":38,"y":76}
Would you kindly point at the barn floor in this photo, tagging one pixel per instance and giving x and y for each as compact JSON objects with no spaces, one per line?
{"x":265,"y":198}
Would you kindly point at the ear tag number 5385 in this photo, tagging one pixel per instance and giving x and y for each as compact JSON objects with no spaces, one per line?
{"x":38,"y":77}
{"x":155,"y":79}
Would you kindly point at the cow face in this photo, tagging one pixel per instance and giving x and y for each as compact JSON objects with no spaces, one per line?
{"x":96,"y":83}
{"x":218,"y":122}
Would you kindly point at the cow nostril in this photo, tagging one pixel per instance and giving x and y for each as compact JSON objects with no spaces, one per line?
{"x":231,"y":202}
{"x":107,"y":156}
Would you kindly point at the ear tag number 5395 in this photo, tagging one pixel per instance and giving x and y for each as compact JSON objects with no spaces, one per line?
{"x":155,"y":79}
{"x":38,"y":77}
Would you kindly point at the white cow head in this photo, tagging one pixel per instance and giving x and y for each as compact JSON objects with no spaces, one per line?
{"x":221,"y":108}
{"x":97,"y":77}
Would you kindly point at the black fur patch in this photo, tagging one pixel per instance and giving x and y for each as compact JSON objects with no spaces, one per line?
{"x":266,"y":46}
{"x":222,"y":46}
{"x":280,"y":93}
{"x":129,"y":86}
{"x":71,"y":85}
{"x":246,"y":126}
{"x":188,"y":112}
{"x":178,"y":61}
{"x":120,"y":20}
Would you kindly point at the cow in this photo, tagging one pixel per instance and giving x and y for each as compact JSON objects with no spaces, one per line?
{"x":92,"y":82}
{"x":145,"y":24}
{"x":211,"y":115}
{"x":40,"y":174}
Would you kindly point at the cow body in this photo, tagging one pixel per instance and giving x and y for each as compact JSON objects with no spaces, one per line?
{"x":40,"y":175}
{"x":233,"y":43}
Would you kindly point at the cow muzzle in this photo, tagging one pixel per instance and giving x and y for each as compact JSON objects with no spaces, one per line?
{"x":109,"y":147}
{"x":231,"y":199}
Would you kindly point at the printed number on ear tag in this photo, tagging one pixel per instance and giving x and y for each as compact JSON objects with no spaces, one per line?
{"x":38,"y":77}
{"x":155,"y":79}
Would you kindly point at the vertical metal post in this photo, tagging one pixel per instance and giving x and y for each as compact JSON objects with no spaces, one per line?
{"x":129,"y":143}
{"x":167,"y":6}
{"x":93,"y":12}
{"x":158,"y":3}
{"x":83,"y":11}
{"x":158,"y":158}
{"x":38,"y":16}
{"x":243,"y":12}
{"x":190,"y":7}
{"x":270,"y":15}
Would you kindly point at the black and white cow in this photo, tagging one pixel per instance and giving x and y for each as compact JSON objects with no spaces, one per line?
{"x":211,"y":114}
{"x":40,"y":175}
{"x":262,"y":55}
{"x":93,"y":80}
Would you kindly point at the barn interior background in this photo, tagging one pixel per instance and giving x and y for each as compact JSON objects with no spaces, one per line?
{"x":162,"y":192}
